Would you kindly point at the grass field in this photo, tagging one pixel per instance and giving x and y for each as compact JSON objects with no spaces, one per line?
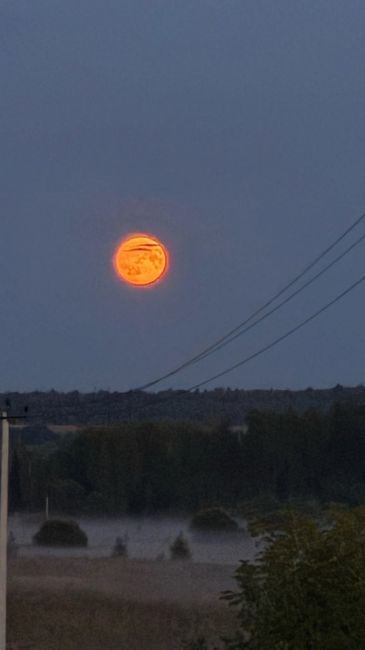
{"x":116,"y":604}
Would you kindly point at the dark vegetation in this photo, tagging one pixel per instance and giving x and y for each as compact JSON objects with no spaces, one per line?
{"x":213,"y":519}
{"x":104,"y":408}
{"x":149,"y":467}
{"x":179,"y":549}
{"x":56,"y":532}
{"x":306,"y":589}
{"x":120,"y":548}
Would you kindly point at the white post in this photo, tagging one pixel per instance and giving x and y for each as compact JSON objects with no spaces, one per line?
{"x":4,"y":527}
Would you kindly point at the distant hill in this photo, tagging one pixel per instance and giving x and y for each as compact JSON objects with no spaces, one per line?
{"x":103,"y":407}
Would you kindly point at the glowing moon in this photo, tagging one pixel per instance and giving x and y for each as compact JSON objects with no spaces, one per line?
{"x":140,"y":260}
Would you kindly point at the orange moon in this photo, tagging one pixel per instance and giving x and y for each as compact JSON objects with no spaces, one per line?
{"x":140,"y":260}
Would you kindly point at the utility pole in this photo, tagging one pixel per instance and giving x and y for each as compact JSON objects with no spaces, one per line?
{"x":4,"y":520}
{"x":4,"y":526}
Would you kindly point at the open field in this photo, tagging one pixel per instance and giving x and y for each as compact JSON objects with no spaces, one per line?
{"x":111,"y":604}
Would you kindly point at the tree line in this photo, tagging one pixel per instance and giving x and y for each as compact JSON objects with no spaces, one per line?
{"x":103,"y":407}
{"x":154,"y":467}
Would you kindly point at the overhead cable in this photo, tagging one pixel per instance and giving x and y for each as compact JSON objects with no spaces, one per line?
{"x":238,"y":330}
{"x":280,"y":338}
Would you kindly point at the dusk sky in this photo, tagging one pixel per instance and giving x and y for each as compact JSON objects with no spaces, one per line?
{"x":233,"y":130}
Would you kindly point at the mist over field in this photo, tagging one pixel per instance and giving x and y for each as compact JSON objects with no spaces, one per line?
{"x":147,"y":538}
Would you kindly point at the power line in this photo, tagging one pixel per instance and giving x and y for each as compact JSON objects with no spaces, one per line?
{"x":280,"y":338}
{"x":290,"y":297}
{"x":184,"y":392}
{"x":231,"y":334}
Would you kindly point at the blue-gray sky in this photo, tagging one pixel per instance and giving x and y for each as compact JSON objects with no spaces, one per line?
{"x":233,"y":130}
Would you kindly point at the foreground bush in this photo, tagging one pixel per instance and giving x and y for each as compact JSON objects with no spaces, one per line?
{"x":306,"y":591}
{"x":213,"y":519}
{"x":57,"y":532}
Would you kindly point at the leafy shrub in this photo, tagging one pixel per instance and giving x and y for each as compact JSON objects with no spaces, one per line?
{"x":306,"y":588}
{"x":213,"y":519}
{"x":120,"y":548}
{"x":179,"y":549}
{"x":57,"y":532}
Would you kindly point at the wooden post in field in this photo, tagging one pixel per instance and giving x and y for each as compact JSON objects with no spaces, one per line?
{"x":4,"y":526}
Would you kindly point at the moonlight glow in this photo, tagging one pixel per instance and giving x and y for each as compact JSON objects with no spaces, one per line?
{"x":141,"y":260}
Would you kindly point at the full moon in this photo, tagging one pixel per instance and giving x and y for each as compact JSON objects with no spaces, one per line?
{"x":140,"y":260}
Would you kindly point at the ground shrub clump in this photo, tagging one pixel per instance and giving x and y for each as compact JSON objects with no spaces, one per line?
{"x":213,"y":519}
{"x":57,"y":532}
{"x":179,"y":549}
{"x":120,"y":548}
